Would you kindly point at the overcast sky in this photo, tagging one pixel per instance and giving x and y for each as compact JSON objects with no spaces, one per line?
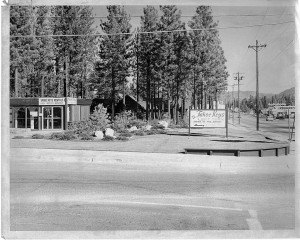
{"x":276,"y":61}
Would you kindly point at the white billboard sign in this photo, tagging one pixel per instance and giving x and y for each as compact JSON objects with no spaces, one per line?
{"x":72,"y":100}
{"x":207,"y":118}
{"x":51,"y":101}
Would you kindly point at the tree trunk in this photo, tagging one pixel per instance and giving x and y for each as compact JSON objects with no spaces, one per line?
{"x":124,"y":103}
{"x":16,"y":83}
{"x":42,"y":86}
{"x":148,"y":91}
{"x":169,"y":104}
{"x":113,"y":94}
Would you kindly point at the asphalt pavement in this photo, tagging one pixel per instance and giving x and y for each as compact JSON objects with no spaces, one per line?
{"x":67,"y":190}
{"x":145,"y":185}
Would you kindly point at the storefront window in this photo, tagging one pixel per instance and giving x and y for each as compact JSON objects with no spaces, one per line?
{"x":47,"y":114}
{"x":57,"y":123}
{"x":52,"y":118}
{"x":21,"y":118}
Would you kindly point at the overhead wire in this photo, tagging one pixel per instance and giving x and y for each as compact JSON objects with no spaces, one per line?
{"x":155,"y":32}
{"x":277,"y":55}
{"x":257,"y":32}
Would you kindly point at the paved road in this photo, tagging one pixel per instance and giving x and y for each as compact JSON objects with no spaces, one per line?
{"x":89,"y":190}
{"x":278,"y":126}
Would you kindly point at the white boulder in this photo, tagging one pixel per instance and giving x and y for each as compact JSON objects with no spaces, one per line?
{"x":147,"y":127}
{"x":164,"y":123}
{"x":109,"y":132}
{"x":99,"y":134}
{"x":133,"y":128}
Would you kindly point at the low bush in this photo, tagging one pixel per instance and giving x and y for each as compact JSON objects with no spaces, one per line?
{"x":137,"y":122}
{"x":108,"y":138}
{"x":86,"y":137}
{"x":124,"y":131}
{"x":156,"y":125}
{"x":18,"y":137}
{"x":122,"y":138}
{"x":151,"y":132}
{"x":126,"y":134}
{"x":139,"y":133}
{"x":38,"y":136}
{"x":98,"y":121}
{"x":63,"y":135}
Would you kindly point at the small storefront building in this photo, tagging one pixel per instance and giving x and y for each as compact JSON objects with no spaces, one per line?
{"x":47,"y":113}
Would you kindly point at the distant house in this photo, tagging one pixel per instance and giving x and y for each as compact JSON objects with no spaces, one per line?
{"x":130,"y":104}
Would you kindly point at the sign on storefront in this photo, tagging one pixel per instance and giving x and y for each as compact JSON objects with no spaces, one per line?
{"x":51,"y":101}
{"x":72,"y":101}
{"x":208,"y":118}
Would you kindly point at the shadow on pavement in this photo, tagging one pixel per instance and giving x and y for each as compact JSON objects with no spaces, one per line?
{"x":242,"y":141}
{"x":200,"y":135}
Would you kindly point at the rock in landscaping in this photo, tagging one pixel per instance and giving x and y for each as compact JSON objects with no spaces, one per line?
{"x":147,"y":127}
{"x":99,"y":134}
{"x":164,"y":123}
{"x":133,"y":128}
{"x":109,"y":132}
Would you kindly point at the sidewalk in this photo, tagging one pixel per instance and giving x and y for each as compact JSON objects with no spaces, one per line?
{"x":174,"y":142}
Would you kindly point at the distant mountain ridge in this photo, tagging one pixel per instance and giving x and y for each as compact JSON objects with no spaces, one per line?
{"x":247,"y":94}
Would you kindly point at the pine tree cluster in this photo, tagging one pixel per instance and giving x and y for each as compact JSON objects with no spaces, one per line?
{"x":156,"y":63}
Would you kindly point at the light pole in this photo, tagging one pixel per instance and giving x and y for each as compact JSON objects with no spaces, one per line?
{"x":239,"y":78}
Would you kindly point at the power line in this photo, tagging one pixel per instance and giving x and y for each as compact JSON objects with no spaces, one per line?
{"x":156,"y":32}
{"x":139,"y":16}
{"x":286,"y":47}
{"x":257,"y":32}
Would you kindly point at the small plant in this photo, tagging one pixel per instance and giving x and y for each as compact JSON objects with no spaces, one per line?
{"x":122,"y":138}
{"x":18,"y":137}
{"x":152,"y":132}
{"x":158,"y":126}
{"x":98,"y":121}
{"x":108,"y":138}
{"x":63,"y":135}
{"x":139,"y":133}
{"x":38,"y":136}
{"x":85,"y":136}
{"x":126,"y":134}
{"x":124,"y":131}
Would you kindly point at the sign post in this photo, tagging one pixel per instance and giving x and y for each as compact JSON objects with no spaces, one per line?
{"x":226,"y":120}
{"x":289,"y":124}
{"x":190,"y":121}
{"x":208,"y":118}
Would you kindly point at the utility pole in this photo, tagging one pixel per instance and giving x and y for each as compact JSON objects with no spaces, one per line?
{"x":257,"y":48}
{"x":232,"y":100}
{"x":239,"y":78}
{"x":137,"y":74}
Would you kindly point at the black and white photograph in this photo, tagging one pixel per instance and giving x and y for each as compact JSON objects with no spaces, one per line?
{"x":152,"y":119}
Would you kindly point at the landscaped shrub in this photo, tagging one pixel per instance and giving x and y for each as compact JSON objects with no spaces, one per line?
{"x":156,"y":125}
{"x":151,"y":132}
{"x":122,"y":121}
{"x":108,"y":138}
{"x":99,"y":118}
{"x":139,"y":133}
{"x":137,"y":122}
{"x":85,"y":136}
{"x":98,"y":121}
{"x":124,"y":131}
{"x":38,"y":136}
{"x":122,"y":138}
{"x":63,"y":135}
{"x":18,"y":137}
{"x":126,"y":134}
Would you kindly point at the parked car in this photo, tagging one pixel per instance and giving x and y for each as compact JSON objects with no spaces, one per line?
{"x":280,"y":116}
{"x":270,"y":118}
